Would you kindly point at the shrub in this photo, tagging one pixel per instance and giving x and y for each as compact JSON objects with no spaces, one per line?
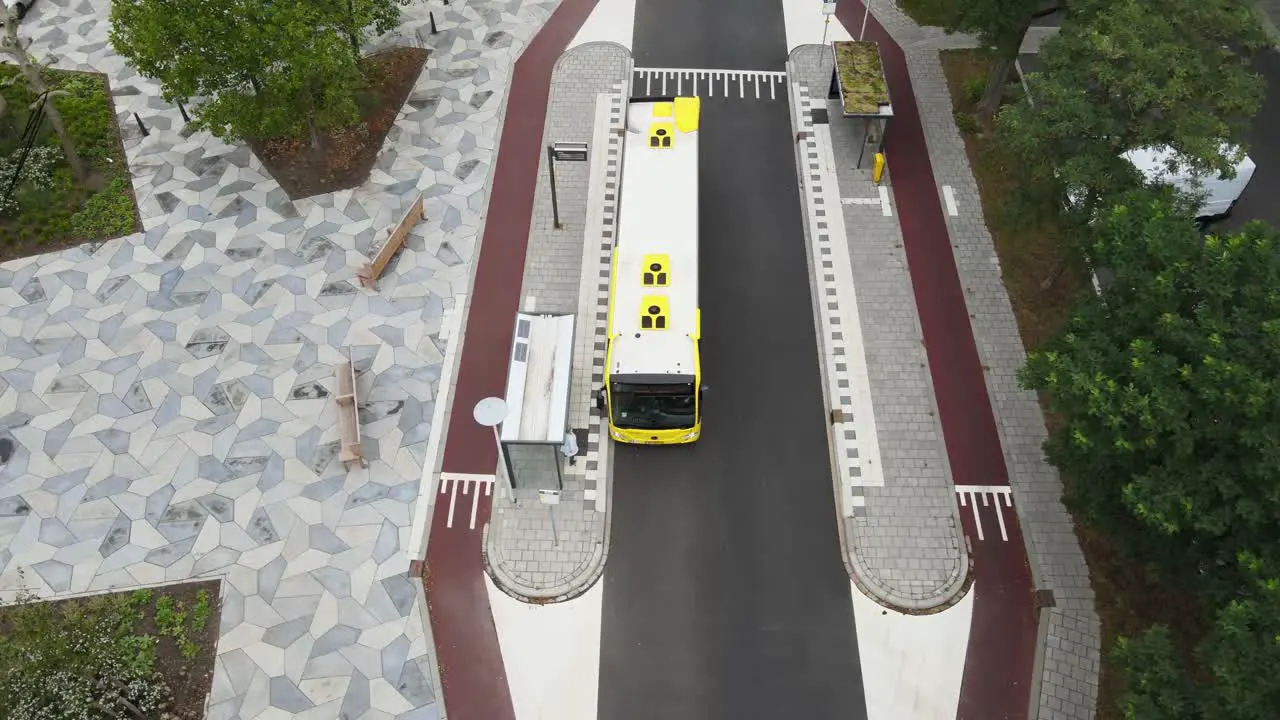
{"x":966,"y":123}
{"x":37,"y":173}
{"x":88,"y":113}
{"x":77,"y":660}
{"x":109,"y":213}
{"x":974,"y":89}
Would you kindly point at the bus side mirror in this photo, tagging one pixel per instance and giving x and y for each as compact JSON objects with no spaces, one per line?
{"x":599,"y":395}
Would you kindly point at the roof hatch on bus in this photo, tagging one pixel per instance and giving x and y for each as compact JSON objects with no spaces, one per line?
{"x":654,"y":313}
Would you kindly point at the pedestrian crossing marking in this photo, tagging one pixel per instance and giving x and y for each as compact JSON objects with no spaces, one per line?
{"x":997,"y":495}
{"x":743,"y":84}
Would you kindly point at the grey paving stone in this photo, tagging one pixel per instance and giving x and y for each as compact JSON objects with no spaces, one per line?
{"x":1057,"y":564}
{"x":552,"y":277}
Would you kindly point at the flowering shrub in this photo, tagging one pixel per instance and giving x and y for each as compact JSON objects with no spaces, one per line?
{"x":37,"y":172}
{"x":79,"y":660}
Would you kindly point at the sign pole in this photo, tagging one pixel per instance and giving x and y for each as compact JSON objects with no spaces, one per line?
{"x":866,"y":13}
{"x":551,"y":498}
{"x":490,"y":412}
{"x":551,"y":168}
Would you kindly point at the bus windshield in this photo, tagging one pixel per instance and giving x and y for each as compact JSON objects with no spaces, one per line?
{"x":665,"y":406}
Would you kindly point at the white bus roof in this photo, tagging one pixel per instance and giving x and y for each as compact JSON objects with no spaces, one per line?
{"x":658,"y":217}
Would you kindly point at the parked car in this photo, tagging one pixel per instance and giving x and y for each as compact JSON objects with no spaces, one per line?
{"x":22,"y":6}
{"x":1220,"y":193}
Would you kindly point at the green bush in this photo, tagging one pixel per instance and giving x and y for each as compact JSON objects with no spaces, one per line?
{"x":77,"y":659}
{"x":974,"y":89}
{"x":109,"y":213}
{"x":965,"y":122}
{"x":88,"y":113}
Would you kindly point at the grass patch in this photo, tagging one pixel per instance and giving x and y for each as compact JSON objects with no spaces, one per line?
{"x":1043,"y":280}
{"x":862,"y":83}
{"x":103,"y":656}
{"x":48,"y":210}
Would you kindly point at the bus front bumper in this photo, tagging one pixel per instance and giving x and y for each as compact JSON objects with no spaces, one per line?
{"x":679,"y":436}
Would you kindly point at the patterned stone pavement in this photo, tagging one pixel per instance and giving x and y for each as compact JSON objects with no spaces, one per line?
{"x":164,"y":397}
{"x":526,"y":557}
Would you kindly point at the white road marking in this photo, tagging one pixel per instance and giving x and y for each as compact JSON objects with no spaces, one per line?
{"x":950,"y":197}
{"x":609,"y":21}
{"x":912,"y":665}
{"x":449,"y":483}
{"x":551,"y":653}
{"x":700,"y":79}
{"x":860,"y":201}
{"x":804,"y":23}
{"x":884,"y":202}
{"x":997,"y":495}
{"x":530,"y":302}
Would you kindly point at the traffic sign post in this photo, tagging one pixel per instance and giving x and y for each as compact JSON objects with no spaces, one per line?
{"x":551,"y":498}
{"x":490,"y":412}
{"x":564,"y":152}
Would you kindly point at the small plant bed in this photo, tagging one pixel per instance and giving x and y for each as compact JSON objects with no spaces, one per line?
{"x":344,"y":157}
{"x":861,"y":76}
{"x":48,"y":209}
{"x":145,"y":653}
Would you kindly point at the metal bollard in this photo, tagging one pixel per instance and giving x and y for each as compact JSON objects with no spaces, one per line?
{"x":183,"y":110}
{"x":432,"y":15}
{"x":141,"y":127}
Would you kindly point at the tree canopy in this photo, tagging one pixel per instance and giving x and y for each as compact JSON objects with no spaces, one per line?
{"x":1000,"y":26}
{"x":1168,"y":386}
{"x":254,"y":67}
{"x":1128,"y":74}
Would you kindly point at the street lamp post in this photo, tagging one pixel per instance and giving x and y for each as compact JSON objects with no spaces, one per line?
{"x":490,"y":412}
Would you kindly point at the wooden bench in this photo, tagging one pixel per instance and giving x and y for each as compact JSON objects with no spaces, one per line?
{"x":349,"y":417}
{"x":372,"y":270}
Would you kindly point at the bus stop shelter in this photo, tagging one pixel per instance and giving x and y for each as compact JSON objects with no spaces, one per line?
{"x":537,"y":399}
{"x":858,"y":82}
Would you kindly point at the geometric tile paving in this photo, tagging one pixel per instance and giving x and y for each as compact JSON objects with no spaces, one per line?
{"x":165,"y":398}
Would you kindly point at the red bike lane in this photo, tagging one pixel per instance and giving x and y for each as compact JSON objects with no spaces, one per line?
{"x":1000,"y":656}
{"x":473,"y":677}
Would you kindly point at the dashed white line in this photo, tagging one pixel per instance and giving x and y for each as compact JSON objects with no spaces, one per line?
{"x":759,"y":78}
{"x":470,"y":483}
{"x":884,"y":202}
{"x":990,"y":494}
{"x":950,"y":197}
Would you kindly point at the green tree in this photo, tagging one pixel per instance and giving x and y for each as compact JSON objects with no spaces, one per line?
{"x":1168,"y":387}
{"x":260,"y":68}
{"x":1000,"y":26}
{"x":1128,"y":74}
{"x":1158,"y":687}
{"x":1237,"y":663}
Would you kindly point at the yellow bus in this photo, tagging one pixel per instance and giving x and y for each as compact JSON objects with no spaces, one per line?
{"x":653,"y":376}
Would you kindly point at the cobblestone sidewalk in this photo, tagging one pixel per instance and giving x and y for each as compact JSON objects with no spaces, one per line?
{"x":1069,"y":643}
{"x":566,"y":271}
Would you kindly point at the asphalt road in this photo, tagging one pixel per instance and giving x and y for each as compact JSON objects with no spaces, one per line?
{"x":1259,"y":199}
{"x":725,"y":595}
